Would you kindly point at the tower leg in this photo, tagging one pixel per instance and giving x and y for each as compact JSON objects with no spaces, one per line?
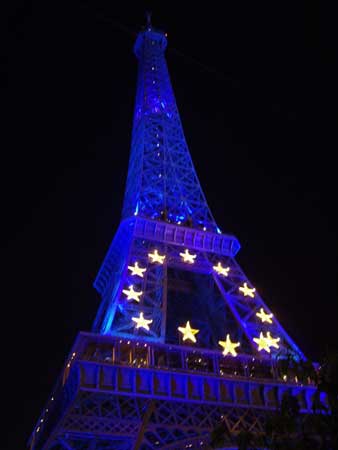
{"x":144,"y":424}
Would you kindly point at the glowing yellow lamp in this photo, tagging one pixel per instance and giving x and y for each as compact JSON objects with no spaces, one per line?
{"x":132,"y":294}
{"x":188,"y":332}
{"x":187,"y":257}
{"x":228,"y":346}
{"x":272,"y":341}
{"x":136,"y":270}
{"x":264,"y":316}
{"x":141,"y":322}
{"x":264,"y":343}
{"x":221,"y":270}
{"x":247,"y":291}
{"x":156,"y":257}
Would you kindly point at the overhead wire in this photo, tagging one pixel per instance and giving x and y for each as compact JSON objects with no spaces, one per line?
{"x":188,"y":58}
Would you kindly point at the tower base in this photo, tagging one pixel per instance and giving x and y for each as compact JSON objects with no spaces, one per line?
{"x":125,"y":394}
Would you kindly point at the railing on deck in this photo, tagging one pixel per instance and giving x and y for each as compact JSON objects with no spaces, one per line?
{"x":112,"y":350}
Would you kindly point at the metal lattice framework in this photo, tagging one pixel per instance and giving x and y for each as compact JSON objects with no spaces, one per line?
{"x":161,"y":177}
{"x":127,"y":394}
{"x":126,"y":386}
{"x":218,"y":302}
{"x":171,"y":425}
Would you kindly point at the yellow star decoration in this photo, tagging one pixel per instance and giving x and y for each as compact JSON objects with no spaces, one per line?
{"x":228,"y":346}
{"x":188,"y":332}
{"x":247,"y":291}
{"x":187,"y":257}
{"x":221,"y":270}
{"x":264,"y":343}
{"x":141,"y":322}
{"x":136,"y":270}
{"x":264,"y":316}
{"x":272,"y":341}
{"x":131,"y":294}
{"x":155,"y":257}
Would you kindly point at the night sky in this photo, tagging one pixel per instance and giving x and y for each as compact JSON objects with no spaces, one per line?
{"x":256,"y":86}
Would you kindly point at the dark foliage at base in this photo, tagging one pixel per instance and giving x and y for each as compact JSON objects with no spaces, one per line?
{"x":287,"y":428}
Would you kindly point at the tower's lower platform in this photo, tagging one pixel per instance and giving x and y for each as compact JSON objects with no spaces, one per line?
{"x":127,"y":394}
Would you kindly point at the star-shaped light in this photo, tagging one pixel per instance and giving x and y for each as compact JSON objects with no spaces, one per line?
{"x":272,"y":341}
{"x":247,"y":291}
{"x":221,"y":270}
{"x":187,"y":257}
{"x":264,"y":316}
{"x":131,"y":294}
{"x":141,"y":322}
{"x":136,"y":270}
{"x":228,"y":346}
{"x":188,"y":332}
{"x":264,"y":343}
{"x":156,"y":257}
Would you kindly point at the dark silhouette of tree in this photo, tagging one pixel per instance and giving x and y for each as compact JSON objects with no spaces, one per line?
{"x":287,"y":428}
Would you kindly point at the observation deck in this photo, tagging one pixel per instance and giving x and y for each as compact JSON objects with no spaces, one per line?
{"x":122,"y":368}
{"x":160,"y":231}
{"x":183,"y":372}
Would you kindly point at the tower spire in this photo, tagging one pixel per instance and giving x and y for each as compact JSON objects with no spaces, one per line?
{"x":161,"y":182}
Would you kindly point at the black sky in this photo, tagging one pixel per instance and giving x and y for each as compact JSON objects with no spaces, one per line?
{"x":256,"y":86}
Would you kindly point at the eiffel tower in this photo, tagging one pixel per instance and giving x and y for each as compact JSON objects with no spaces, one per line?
{"x":182,"y":340}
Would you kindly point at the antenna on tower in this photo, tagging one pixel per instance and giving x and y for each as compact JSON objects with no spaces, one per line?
{"x":148,"y":17}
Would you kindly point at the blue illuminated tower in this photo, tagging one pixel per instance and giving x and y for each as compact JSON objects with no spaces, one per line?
{"x":182,"y":340}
